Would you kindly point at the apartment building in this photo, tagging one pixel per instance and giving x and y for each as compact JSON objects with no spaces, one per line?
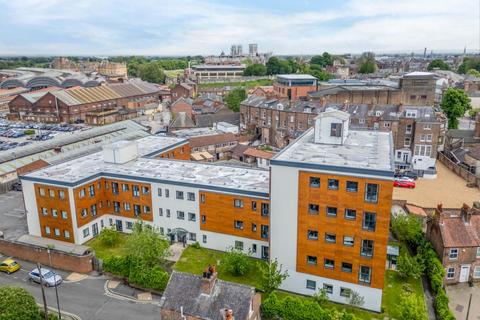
{"x":331,"y":194}
{"x":294,"y":86}
{"x":322,"y":210}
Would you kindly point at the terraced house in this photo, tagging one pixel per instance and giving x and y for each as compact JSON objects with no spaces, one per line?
{"x":322,"y":210}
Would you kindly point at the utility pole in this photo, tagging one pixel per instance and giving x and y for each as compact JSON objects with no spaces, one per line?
{"x":56,"y":294}
{"x":43,"y":291}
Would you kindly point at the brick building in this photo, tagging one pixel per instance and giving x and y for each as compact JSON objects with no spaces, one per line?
{"x":294,"y":86}
{"x":455,"y":235}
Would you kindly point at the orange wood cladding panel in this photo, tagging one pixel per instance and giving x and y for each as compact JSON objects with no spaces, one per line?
{"x":48,"y":202}
{"x":104,"y":195}
{"x":340,"y":226}
{"x":221,"y":214}
{"x":179,"y":153}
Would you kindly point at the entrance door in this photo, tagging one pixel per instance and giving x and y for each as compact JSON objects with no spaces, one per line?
{"x":94,"y":229}
{"x":119,"y":225}
{"x":464,"y":273}
{"x":265,"y":252}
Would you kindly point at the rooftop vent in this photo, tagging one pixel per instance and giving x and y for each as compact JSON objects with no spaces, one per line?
{"x":120,"y":152}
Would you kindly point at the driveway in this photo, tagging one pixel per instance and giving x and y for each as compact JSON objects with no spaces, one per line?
{"x":85,"y":297}
{"x":13,"y":221}
{"x":459,"y":296}
{"x":448,"y":189}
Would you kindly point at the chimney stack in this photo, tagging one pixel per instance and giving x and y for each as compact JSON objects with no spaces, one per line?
{"x":439,"y":214}
{"x":208,"y":280}
{"x":466,"y":214}
{"x":227,"y":314}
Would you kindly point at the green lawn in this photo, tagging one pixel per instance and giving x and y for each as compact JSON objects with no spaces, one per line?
{"x":173,"y":73}
{"x":196,"y":260}
{"x":246,"y":84}
{"x":102,"y":251}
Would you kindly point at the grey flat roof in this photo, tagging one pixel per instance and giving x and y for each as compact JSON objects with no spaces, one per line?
{"x":295,"y":76}
{"x":362,"y":150}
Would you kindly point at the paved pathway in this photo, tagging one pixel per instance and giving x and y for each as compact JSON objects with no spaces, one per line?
{"x":459,"y":296}
{"x":176,"y":250}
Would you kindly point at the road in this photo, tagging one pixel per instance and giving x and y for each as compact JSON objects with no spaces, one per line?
{"x":13,"y":222}
{"x":85,"y":298}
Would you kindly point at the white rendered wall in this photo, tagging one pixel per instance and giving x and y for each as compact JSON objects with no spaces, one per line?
{"x":223,"y":242}
{"x":323,"y":128}
{"x":31,"y":209}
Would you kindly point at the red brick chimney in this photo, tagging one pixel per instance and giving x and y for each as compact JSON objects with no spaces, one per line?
{"x":477,"y":126}
{"x":466,"y":214}
{"x":208,"y":280}
{"x":227,"y":314}
{"x":439,"y":214}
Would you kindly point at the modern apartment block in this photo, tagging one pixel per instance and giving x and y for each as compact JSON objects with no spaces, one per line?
{"x":331,"y":194}
{"x":322,"y":210}
{"x":294,"y":86}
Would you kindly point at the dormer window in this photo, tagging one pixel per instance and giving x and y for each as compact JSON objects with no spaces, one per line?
{"x":336,"y":130}
{"x":411,"y":113}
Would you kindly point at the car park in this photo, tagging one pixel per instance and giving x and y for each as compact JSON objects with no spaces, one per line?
{"x":9,"y":266}
{"x":48,"y":277}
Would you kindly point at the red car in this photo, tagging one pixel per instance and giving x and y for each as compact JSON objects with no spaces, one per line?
{"x":404,"y":184}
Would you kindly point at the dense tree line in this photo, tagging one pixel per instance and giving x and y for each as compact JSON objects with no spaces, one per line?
{"x":18,"y":62}
{"x":316,"y":67}
{"x":468,"y":64}
{"x":437,"y":64}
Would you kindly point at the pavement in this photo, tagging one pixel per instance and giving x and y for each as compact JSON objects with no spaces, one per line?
{"x":176,"y":250}
{"x":13,"y":220}
{"x":448,"y":189}
{"x":459,"y":297}
{"x":87,"y":297}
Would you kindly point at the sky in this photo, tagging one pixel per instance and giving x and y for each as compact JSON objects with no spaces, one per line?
{"x":191,"y":27}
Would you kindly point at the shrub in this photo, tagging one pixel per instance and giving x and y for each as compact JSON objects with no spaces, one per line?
{"x":356,"y":299}
{"x":195,"y":245}
{"x":29,"y":132}
{"x":109,"y":237}
{"x":236,"y":262}
{"x":272,"y":276}
{"x":321,"y":297}
{"x":409,"y":266}
{"x":17,"y":303}
{"x":117,"y":265}
{"x":412,"y":307}
{"x":408,"y":229}
{"x":154,"y":278}
{"x":441,"y":307}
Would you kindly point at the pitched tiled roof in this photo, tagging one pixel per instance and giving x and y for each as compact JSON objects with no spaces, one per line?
{"x":258,"y":153}
{"x":456,"y":233}
{"x":212,"y":139}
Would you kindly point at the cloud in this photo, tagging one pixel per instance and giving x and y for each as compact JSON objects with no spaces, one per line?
{"x":168,"y":27}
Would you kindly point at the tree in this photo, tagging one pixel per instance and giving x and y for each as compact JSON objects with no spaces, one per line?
{"x":408,"y":229}
{"x":324,"y":60}
{"x":255,"y":69}
{"x":17,"y":303}
{"x":367,"y":63}
{"x":454,"y":103}
{"x":468,"y":64}
{"x":412,"y":307}
{"x":321,"y":296}
{"x":236,"y":262}
{"x":356,"y":299}
{"x":151,"y":72}
{"x":438,"y":64}
{"x":109,"y":236}
{"x":146,"y":245}
{"x":272,"y":276}
{"x":277,"y":66}
{"x":409,"y":267}
{"x":234,"y":98}
{"x":474,"y":73}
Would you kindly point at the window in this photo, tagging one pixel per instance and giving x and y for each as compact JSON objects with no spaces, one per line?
{"x":345,"y":292}
{"x":328,"y":288}
{"x":91,"y":190}
{"x":423,"y":150}
{"x":41,"y":191}
{"x":352,"y":186}
{"x":126,"y":206}
{"x":239,"y":245}
{"x":329,"y":263}
{"x":254,"y":227}
{"x":347,"y":267}
{"x":51,"y":193}
{"x":386,"y":124}
{"x":192,"y":216}
{"x":66,"y":234}
{"x":367,"y":248}
{"x":369,"y":221}
{"x":476,"y":272}
{"x":179,"y":195}
{"x":108,"y":203}
{"x":54,"y":213}
{"x":168,"y":213}
{"x":192,"y":236}
{"x":314,"y":182}
{"x":115,"y":187}
{"x":135,"y":191}
{"x":331,"y":211}
{"x":44,"y":211}
{"x":202,"y":198}
{"x":408,"y":129}
{"x":333,"y":184}
{"x":237,"y":203}
{"x":160,"y":212}
{"x":100,"y":204}
{"x":125,"y":187}
{"x":204,"y":219}
{"x":312,"y":235}
{"x":313,"y":208}
{"x":84,"y":213}
{"x":136,"y":210}
{"x":478,"y":252}
{"x":427,"y":126}
{"x":407,"y":141}
{"x":47,"y":230}
{"x":86,"y":232}
{"x":254,"y":248}
{"x":81,"y":193}
{"x":264,"y":231}
{"x":61,"y":194}
{"x":254,"y":205}
{"x":348,"y":241}
{"x":411,"y":113}
{"x":167,"y":193}
{"x":312,"y":285}
{"x":238,"y":224}
{"x":453,"y":254}
{"x":350,"y":214}
{"x":129,"y":225}
{"x":450,"y":273}
{"x":159,"y":192}
{"x":64,"y":215}
{"x":330,"y":238}
{"x":365,"y":274}
{"x":162,"y":231}
{"x":265,"y":209}
{"x":116,"y":206}
{"x":191,"y":196}
{"x":371,"y":192}
{"x":335,"y":129}
{"x":312,"y":260}
{"x":204,"y":238}
{"x":146,"y":210}
{"x":180,"y":215}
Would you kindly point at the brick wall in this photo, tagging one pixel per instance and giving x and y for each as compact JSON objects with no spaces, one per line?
{"x":60,"y":260}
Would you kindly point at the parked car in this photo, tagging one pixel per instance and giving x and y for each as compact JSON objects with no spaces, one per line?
{"x":49,"y":278}
{"x":404,"y":178}
{"x":404,"y":184}
{"x":408,"y":174}
{"x":9,"y":266}
{"x":16,"y":186}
